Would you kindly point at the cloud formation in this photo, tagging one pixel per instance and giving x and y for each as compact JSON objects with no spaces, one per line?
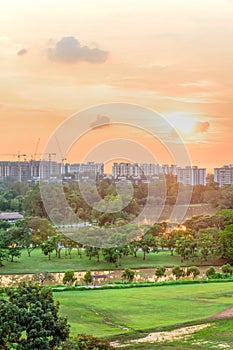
{"x":69,"y":50}
{"x":201,"y":127}
{"x":22,"y":52}
{"x":101,"y":122}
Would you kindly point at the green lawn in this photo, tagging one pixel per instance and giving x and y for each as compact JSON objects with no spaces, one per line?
{"x":112,"y":312}
{"x":38,"y":262}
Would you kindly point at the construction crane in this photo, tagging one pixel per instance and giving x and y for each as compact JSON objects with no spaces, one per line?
{"x":18,"y":155}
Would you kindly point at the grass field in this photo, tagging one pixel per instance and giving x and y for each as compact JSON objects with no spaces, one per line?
{"x":38,"y":262}
{"x":217,"y":336}
{"x":115,"y":312}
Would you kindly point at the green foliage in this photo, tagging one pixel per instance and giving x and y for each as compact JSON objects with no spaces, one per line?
{"x":178,"y":272}
{"x":128,"y":275}
{"x":29,"y":319}
{"x":86,"y":342}
{"x":47,"y":248}
{"x":69,"y":277}
{"x":193,"y":270}
{"x":227,"y":269}
{"x":160,"y":271}
{"x":210,"y":272}
{"x":88,"y":277}
{"x":226,"y":243}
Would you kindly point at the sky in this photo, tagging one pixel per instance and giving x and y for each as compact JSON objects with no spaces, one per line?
{"x":61,"y":57}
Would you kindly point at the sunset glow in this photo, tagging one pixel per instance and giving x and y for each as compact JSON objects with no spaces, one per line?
{"x":174,"y":57}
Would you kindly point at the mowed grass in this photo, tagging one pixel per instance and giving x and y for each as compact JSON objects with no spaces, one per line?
{"x":120,"y":311}
{"x":38,"y":262}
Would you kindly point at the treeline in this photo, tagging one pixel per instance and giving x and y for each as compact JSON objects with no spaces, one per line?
{"x":199,"y":239}
{"x":103,"y":205}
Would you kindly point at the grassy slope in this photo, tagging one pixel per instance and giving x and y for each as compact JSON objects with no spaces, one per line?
{"x":107,"y":312}
{"x":209,"y":338}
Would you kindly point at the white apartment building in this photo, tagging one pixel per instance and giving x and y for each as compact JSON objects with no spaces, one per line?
{"x":224,"y":175}
{"x":191,"y":175}
{"x":140,"y":170}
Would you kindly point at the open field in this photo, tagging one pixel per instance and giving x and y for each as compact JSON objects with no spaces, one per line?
{"x":125,"y":311}
{"x":217,"y":336}
{"x":38,"y":262}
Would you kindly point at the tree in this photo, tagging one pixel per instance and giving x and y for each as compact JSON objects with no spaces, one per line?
{"x":30,"y":320}
{"x":33,"y":231}
{"x":208,"y":242}
{"x":88,"y":277}
{"x":47,"y":248}
{"x":160,"y":271}
{"x":128,"y":275}
{"x":226,"y":243}
{"x":148,"y":242}
{"x":178,"y":272}
{"x":193,"y":270}
{"x":69,"y":277}
{"x":111,"y":255}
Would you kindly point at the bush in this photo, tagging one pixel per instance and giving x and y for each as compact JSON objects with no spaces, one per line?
{"x":88,"y":277}
{"x":178,"y":272}
{"x":160,"y":271}
{"x":128,"y":275}
{"x":193,"y":270}
{"x":86,"y":342}
{"x":227,"y":269}
{"x":210,"y":272}
{"x":69,"y":277}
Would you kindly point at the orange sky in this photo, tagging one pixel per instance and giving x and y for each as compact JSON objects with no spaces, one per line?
{"x":172,"y":56}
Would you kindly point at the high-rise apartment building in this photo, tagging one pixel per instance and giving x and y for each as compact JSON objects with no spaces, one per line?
{"x":191,"y":175}
{"x":224,"y":175}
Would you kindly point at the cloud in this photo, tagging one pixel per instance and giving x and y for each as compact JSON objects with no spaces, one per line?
{"x":201,"y":127}
{"x":22,"y":52}
{"x":199,"y":83}
{"x":101,"y":122}
{"x":69,"y":50}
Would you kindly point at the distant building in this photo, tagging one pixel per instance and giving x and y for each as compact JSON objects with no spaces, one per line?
{"x":191,"y":175}
{"x":224,"y":175}
{"x":136,"y":170}
{"x":10,"y":217}
{"x":88,"y":169}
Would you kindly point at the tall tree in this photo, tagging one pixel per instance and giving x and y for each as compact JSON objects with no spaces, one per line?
{"x":30,"y":320}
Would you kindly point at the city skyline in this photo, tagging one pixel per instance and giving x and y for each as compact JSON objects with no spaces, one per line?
{"x":174,"y":57}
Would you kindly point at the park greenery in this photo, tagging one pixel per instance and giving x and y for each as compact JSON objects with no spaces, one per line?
{"x":30,"y":317}
{"x":199,"y":239}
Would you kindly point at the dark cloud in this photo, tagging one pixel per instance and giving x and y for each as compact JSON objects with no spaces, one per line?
{"x":22,"y":52}
{"x":69,"y":50}
{"x":201,"y":126}
{"x":101,"y":122}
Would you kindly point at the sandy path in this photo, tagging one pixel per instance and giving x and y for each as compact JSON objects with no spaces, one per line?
{"x":166,"y":336}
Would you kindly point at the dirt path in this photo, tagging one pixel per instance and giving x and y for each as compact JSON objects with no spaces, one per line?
{"x":179,"y":333}
{"x":161,"y":337}
{"x":228,"y":313}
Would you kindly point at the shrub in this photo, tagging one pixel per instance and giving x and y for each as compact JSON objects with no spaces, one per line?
{"x":88,"y":277}
{"x":178,"y":272}
{"x":86,"y":342}
{"x":227,"y":269}
{"x":128,"y":275}
{"x":160,"y":271}
{"x":69,"y":277}
{"x":210,"y":272}
{"x":193,"y":270}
